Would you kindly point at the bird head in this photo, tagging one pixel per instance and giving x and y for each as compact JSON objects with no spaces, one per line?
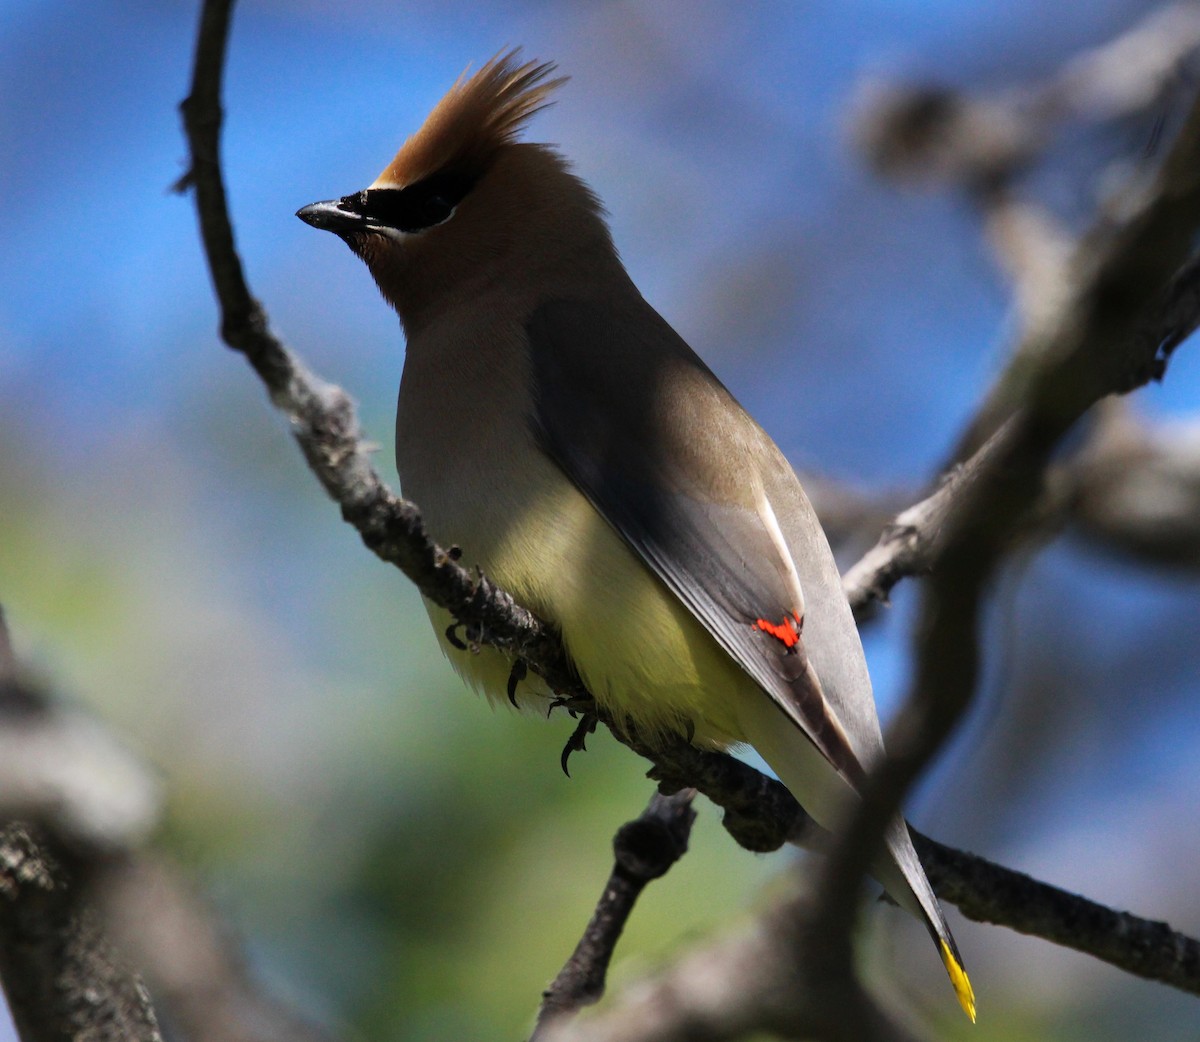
{"x":464,"y":204}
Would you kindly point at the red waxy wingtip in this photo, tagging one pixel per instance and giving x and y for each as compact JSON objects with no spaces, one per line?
{"x":787,"y":631}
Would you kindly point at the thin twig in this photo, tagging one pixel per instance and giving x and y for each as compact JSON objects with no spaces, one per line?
{"x":742,"y":984}
{"x":909,"y":545}
{"x":982,"y":146}
{"x":989,"y":893}
{"x":645,"y":849}
{"x":1134,"y":490}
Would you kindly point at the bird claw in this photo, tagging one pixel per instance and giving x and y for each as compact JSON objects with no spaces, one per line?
{"x":573,"y":704}
{"x":473,"y":632}
{"x":518,"y":673}
{"x":578,"y":740}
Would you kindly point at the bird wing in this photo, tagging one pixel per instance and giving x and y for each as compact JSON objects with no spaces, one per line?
{"x":670,"y":459}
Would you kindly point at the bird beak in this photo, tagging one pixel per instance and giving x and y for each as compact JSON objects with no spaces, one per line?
{"x":331,"y":216}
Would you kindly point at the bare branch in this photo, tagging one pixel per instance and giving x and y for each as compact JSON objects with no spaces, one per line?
{"x":64,"y":771}
{"x":933,"y":135}
{"x":909,"y":545}
{"x":645,"y":850}
{"x":1172,"y":319}
{"x":762,"y":815}
{"x":989,"y":893}
{"x":738,"y":984}
{"x":936,"y":136}
{"x":79,"y":906}
{"x":982,"y":145}
{"x":1134,"y":490}
{"x":61,"y":976}
{"x":1091,"y":351}
{"x":743,"y":984}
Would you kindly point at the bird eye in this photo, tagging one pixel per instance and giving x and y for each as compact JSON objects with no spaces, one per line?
{"x":416,"y":207}
{"x":356,"y":203}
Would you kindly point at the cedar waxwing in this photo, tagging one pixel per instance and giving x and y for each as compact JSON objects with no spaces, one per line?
{"x":553,"y":426}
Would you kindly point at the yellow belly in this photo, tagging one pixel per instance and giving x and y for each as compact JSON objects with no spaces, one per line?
{"x":636,"y":647}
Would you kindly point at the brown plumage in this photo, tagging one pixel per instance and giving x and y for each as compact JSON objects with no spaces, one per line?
{"x":478,"y":116}
{"x":557,"y":429}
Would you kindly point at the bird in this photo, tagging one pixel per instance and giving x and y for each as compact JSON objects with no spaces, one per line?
{"x":556,"y":429}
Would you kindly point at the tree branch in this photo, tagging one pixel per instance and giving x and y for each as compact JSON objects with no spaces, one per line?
{"x":80,"y":905}
{"x":909,"y":545}
{"x":989,"y":893}
{"x":1134,"y":490}
{"x":61,"y":975}
{"x":1120,"y":274}
{"x":645,"y":850}
{"x":983,"y":145}
{"x":740,"y":985}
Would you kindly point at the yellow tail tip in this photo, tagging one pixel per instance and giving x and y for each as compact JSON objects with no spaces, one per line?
{"x":958,"y":977}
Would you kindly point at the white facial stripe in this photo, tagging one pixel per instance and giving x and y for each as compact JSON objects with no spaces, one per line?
{"x":395,"y":234}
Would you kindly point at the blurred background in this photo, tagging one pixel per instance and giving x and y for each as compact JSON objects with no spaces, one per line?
{"x":397,"y":856}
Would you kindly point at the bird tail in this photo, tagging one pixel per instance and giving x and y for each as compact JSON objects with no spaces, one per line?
{"x":823,"y":792}
{"x":904,"y":879}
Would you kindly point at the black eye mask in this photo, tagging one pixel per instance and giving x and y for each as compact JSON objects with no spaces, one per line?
{"x":414,"y":208}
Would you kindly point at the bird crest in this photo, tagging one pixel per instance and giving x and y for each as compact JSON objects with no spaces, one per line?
{"x":478,"y":116}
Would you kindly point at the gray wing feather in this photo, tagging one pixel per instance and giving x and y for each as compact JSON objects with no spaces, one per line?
{"x":664,"y":452}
